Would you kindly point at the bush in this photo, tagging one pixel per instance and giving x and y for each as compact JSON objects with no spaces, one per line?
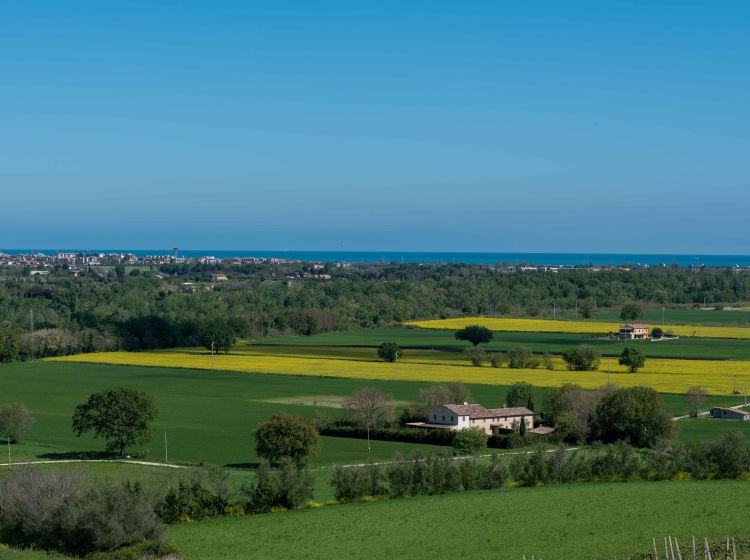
{"x":511,"y":440}
{"x":55,"y":510}
{"x":289,"y":488}
{"x":190,"y":502}
{"x":469,"y":440}
{"x":582,"y":358}
{"x":350,"y":484}
{"x":522,"y":358}
{"x":434,"y":437}
{"x":476,"y":355}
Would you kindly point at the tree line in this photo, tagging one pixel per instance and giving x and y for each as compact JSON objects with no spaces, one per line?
{"x":154,"y":309}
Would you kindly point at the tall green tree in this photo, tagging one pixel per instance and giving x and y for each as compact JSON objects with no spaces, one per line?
{"x":475,"y":334}
{"x":632,"y":358}
{"x":636,"y":415}
{"x":519,"y":394}
{"x":287,"y":435}
{"x":631,"y":312}
{"x":389,"y":352}
{"x":121,"y":417}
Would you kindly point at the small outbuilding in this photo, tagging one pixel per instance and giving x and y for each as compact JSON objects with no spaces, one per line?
{"x":730,"y":413}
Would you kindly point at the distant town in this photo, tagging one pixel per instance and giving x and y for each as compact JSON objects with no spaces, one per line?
{"x":41,"y":263}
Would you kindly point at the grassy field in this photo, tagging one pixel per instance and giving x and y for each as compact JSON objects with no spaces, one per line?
{"x":681,"y":315}
{"x":664,"y":375}
{"x":590,"y":327}
{"x":590,"y":521}
{"x":707,"y":429}
{"x":409,"y":338}
{"x":208,"y":417}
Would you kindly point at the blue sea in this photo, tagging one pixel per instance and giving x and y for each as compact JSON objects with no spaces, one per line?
{"x":546,"y":259}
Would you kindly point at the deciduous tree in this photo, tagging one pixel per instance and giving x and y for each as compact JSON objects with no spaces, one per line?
{"x":475,"y":334}
{"x":287,"y":435}
{"x":369,"y":407}
{"x":633,"y":358}
{"x":122,"y":417}
{"x":15,"y":421}
{"x":389,"y":352}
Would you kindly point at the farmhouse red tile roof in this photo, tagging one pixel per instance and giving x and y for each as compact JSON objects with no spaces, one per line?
{"x":478,"y":411}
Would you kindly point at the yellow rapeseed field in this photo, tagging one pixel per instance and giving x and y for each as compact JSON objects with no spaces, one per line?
{"x":591,"y":327}
{"x":664,"y":375}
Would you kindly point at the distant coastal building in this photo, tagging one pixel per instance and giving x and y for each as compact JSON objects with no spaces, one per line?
{"x":636,"y":331}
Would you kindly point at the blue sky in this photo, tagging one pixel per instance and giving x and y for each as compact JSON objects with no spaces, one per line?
{"x":476,"y":126}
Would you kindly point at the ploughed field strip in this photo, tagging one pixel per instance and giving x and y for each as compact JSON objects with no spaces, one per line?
{"x":587,"y":327}
{"x":665,"y":375}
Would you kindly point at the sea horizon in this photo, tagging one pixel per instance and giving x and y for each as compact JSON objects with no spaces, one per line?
{"x":436,"y":257}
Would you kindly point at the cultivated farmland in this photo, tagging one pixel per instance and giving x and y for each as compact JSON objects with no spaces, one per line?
{"x":664,"y":375}
{"x":590,"y":327}
{"x":580,"y":521}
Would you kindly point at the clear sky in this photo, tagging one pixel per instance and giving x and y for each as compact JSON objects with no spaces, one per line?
{"x":391,"y":125}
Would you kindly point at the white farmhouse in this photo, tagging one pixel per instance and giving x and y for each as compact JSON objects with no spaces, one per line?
{"x":462,"y":416}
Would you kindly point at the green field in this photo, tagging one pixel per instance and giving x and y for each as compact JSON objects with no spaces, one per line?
{"x":571,"y":522}
{"x":539,"y":342}
{"x":677,"y":316}
{"x":208,"y":416}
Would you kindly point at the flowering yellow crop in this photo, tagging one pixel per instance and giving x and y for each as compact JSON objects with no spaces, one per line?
{"x":591,"y":327}
{"x":664,"y":375}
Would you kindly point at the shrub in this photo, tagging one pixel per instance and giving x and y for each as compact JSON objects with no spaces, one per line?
{"x":349,"y":484}
{"x":493,"y":475}
{"x":476,"y":355}
{"x":469,"y":440}
{"x":190,"y":502}
{"x":522,"y":358}
{"x":295,"y":485}
{"x":582,"y":358}
{"x":55,"y":510}
{"x":434,"y":437}
{"x":497,"y":359}
{"x":289,"y":488}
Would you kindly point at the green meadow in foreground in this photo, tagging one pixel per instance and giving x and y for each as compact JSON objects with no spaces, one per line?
{"x":580,"y":521}
{"x":209,"y":416}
